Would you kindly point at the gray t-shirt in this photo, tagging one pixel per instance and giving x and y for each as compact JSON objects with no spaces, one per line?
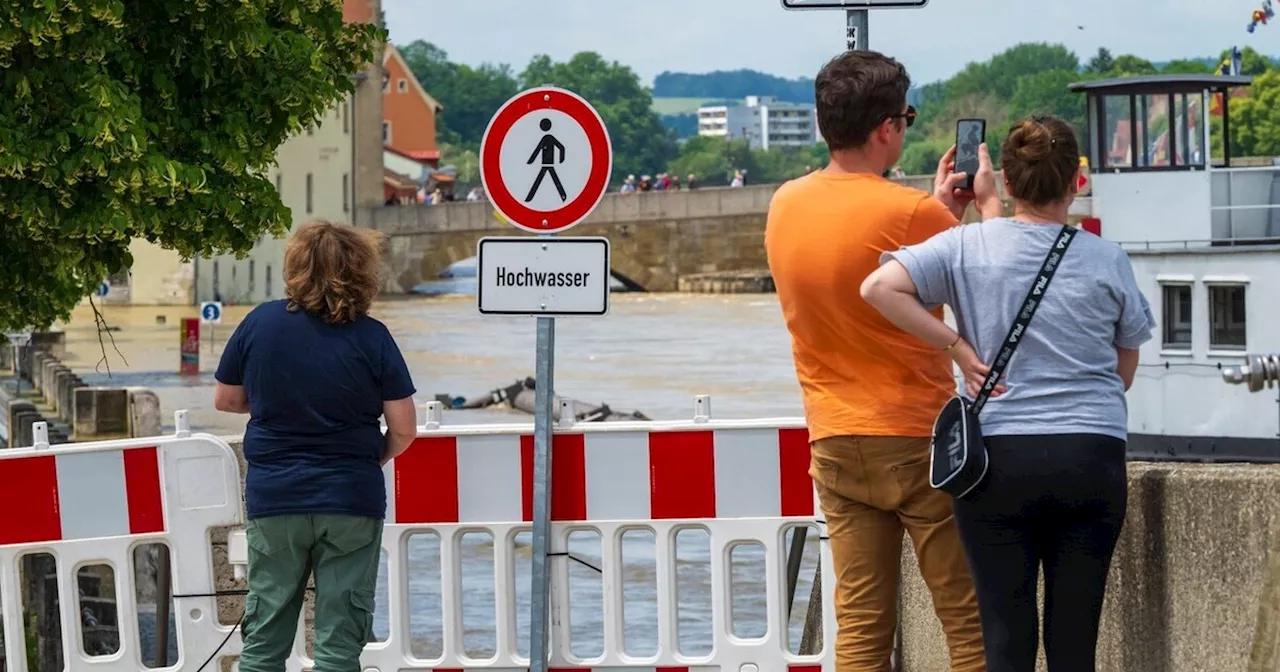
{"x":1062,"y":378}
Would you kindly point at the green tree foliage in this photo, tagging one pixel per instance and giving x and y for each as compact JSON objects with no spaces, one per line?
{"x":1128,"y":65}
{"x":714,"y":161}
{"x":732,"y":85}
{"x":1255,"y":119}
{"x":999,"y":76}
{"x":641,"y":144}
{"x":1186,"y":67}
{"x":153,"y":119}
{"x":1047,"y":93}
{"x":470,"y":96}
{"x":1251,"y":62}
{"x":1101,"y":62}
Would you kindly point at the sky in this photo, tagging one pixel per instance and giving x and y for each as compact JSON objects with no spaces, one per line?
{"x":705,"y":35}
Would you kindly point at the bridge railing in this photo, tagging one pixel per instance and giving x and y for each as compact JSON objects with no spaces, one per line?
{"x":397,"y":220}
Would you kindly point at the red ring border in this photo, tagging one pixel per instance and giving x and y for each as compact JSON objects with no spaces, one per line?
{"x":522,"y":105}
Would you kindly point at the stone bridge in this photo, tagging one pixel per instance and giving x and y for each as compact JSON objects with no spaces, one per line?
{"x":656,"y":237}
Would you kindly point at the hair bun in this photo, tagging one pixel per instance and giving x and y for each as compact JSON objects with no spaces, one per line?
{"x":1031,"y":142}
{"x":1040,"y":159}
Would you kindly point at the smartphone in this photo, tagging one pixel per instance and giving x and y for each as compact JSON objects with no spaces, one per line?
{"x":969,"y":134}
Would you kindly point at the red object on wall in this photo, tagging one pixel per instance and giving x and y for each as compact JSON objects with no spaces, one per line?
{"x":1092,"y":225}
{"x":190,"y":333}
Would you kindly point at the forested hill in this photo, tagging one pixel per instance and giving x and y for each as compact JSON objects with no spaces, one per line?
{"x":732,"y":85}
{"x":737,"y":84}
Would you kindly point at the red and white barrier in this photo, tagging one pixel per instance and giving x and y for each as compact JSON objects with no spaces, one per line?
{"x":614,"y":473}
{"x":93,"y":504}
{"x":740,"y":482}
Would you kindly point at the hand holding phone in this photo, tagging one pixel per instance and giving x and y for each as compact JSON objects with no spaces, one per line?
{"x":970,"y":134}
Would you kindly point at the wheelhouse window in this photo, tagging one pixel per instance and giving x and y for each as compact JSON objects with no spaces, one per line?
{"x":1149,"y":131}
{"x":1227,"y":317}
{"x":1176,"y":319}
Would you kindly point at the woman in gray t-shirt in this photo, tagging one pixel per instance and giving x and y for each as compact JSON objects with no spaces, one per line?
{"x":1055,"y":429}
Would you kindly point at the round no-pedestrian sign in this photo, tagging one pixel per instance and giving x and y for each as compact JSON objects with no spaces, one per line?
{"x":546,"y":160}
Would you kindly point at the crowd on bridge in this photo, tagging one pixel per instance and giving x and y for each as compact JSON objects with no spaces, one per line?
{"x":893,"y":446}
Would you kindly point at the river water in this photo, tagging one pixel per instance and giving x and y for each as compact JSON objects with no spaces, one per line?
{"x":652,"y":353}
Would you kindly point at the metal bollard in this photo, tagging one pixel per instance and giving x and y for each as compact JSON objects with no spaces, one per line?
{"x":1258,"y":371}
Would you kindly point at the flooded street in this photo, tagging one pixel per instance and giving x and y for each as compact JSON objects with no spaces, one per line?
{"x":652,"y":353}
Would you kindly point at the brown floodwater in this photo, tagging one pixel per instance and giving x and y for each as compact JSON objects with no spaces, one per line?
{"x":652,"y":353}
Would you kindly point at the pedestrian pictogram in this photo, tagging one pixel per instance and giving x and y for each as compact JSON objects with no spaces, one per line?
{"x":547,"y":150}
{"x":546,"y":160}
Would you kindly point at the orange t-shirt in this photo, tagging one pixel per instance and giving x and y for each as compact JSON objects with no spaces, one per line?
{"x":860,"y":375}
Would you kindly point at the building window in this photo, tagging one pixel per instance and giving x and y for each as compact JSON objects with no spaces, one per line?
{"x":346,"y":193}
{"x":386,"y":132}
{"x":280,"y":183}
{"x":1226,"y":317}
{"x":1176,"y":322}
{"x":403,"y":85}
{"x":267,"y":292}
{"x":311,"y":129}
{"x":251,"y":278}
{"x":346,"y":118}
{"x":309,"y":193}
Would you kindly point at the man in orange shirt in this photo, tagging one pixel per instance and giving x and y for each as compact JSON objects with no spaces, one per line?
{"x":871,"y":391}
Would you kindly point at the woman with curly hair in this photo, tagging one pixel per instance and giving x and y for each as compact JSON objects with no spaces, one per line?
{"x":314,"y":372}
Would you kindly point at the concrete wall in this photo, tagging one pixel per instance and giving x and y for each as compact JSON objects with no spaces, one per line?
{"x":1185,"y":583}
{"x":367,"y":128}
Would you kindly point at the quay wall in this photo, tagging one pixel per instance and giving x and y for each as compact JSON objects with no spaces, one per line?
{"x":1187,"y":578}
{"x":1185,"y":585}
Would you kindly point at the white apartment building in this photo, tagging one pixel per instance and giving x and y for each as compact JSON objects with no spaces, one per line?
{"x":764,"y":121}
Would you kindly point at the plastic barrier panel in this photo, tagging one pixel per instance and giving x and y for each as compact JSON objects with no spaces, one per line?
{"x":739,"y":484}
{"x":78,"y":512}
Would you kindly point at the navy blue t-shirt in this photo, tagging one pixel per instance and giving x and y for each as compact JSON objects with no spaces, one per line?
{"x":315,"y":391}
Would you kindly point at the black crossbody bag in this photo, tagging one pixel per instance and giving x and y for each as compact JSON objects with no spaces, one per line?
{"x":958,"y":456}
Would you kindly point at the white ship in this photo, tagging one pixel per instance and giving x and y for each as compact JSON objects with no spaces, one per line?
{"x":1202,"y":228}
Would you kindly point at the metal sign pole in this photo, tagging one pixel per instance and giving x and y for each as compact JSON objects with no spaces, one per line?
{"x":512,"y":274}
{"x":856,"y":29}
{"x":544,"y":398}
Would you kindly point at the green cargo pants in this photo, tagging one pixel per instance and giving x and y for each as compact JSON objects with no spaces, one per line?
{"x":343,"y":552}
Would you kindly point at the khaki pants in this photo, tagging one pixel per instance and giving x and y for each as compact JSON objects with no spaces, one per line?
{"x":873,"y":488}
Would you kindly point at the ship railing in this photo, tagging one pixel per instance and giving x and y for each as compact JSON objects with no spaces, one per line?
{"x":1196,"y":244}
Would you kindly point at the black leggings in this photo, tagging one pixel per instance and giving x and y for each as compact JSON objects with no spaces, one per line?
{"x":1054,"y":499}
